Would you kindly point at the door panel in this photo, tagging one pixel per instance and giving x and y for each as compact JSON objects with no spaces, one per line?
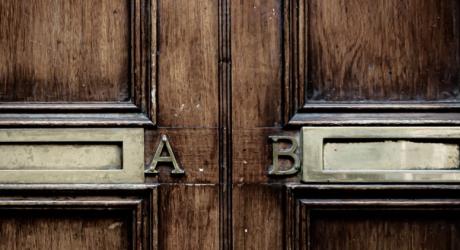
{"x":372,"y":216}
{"x":376,"y":229}
{"x":89,"y":58}
{"x":78,"y":216}
{"x":382,"y":50}
{"x":64,"y":230}
{"x":79,"y":53}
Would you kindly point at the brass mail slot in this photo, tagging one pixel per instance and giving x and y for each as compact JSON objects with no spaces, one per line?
{"x":72,"y":155}
{"x":60,"y":156}
{"x":381,"y":154}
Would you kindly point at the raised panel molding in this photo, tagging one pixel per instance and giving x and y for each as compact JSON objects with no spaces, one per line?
{"x":300,"y":110}
{"x":138,"y":110}
{"x":372,"y":204}
{"x":54,"y":205}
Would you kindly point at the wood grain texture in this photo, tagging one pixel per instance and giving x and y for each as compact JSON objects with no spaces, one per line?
{"x":409,"y":230}
{"x":196,"y":151}
{"x":188,"y":113}
{"x":257,"y":99}
{"x":53,"y":50}
{"x":91,"y":216}
{"x":187,"y":73}
{"x":326,"y":216}
{"x":258,"y":217}
{"x":189,"y":217}
{"x":363,"y":50}
{"x":63,"y":230}
{"x":256,"y":63}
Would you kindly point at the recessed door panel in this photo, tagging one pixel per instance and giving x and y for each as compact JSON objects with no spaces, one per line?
{"x":379,"y":229}
{"x":384,"y":50}
{"x":56,"y":230}
{"x":53,"y":50}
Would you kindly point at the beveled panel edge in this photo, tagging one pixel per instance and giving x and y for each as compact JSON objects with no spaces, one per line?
{"x":132,"y":140}
{"x":68,"y":106}
{"x":312,"y":166}
{"x":14,"y":120}
{"x":423,"y":196}
{"x":381,"y":106}
{"x":138,"y":201}
{"x":144,"y":39}
{"x":78,"y":187}
{"x":431,"y":118}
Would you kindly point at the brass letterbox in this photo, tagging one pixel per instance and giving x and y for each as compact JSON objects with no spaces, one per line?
{"x":96,"y":155}
{"x":381,"y":154}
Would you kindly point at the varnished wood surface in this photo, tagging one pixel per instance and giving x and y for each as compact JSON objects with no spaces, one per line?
{"x":77,"y":57}
{"x":257,"y":104}
{"x":252,"y":154}
{"x":54,"y":50}
{"x":78,"y":216}
{"x":383,"y":50}
{"x":188,"y":112}
{"x":189,"y":217}
{"x":258,"y":217}
{"x":63,"y":230}
{"x":374,"y":216}
{"x":369,"y":230}
{"x":221,"y":93}
{"x":256,"y":63}
{"x":187,"y":63}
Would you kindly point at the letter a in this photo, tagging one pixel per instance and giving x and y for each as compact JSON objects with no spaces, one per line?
{"x":157,"y":158}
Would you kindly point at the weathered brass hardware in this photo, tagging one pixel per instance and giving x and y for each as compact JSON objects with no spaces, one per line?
{"x":381,"y":154}
{"x":96,"y":155}
{"x":170,"y":158}
{"x":290,"y":152}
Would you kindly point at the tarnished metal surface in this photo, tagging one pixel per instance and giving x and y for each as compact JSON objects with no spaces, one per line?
{"x":291,"y":152}
{"x":72,"y":155}
{"x":381,"y":154}
{"x":390,"y":155}
{"x":170,"y":158}
{"x":60,"y":156}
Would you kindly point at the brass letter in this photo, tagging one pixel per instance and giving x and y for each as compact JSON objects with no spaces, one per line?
{"x":159,"y":158}
{"x":289,"y":152}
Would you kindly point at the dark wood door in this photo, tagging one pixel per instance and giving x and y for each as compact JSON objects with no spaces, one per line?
{"x":336,"y":77}
{"x":229,"y":124}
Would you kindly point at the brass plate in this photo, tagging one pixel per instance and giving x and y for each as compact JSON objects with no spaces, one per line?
{"x":381,"y":154}
{"x":72,"y":155}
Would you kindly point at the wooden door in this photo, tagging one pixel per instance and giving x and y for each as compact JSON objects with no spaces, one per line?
{"x":352,"y":92}
{"x":229,"y":124}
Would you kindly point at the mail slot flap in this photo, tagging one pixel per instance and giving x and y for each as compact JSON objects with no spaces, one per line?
{"x":72,"y":155}
{"x":381,"y":154}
